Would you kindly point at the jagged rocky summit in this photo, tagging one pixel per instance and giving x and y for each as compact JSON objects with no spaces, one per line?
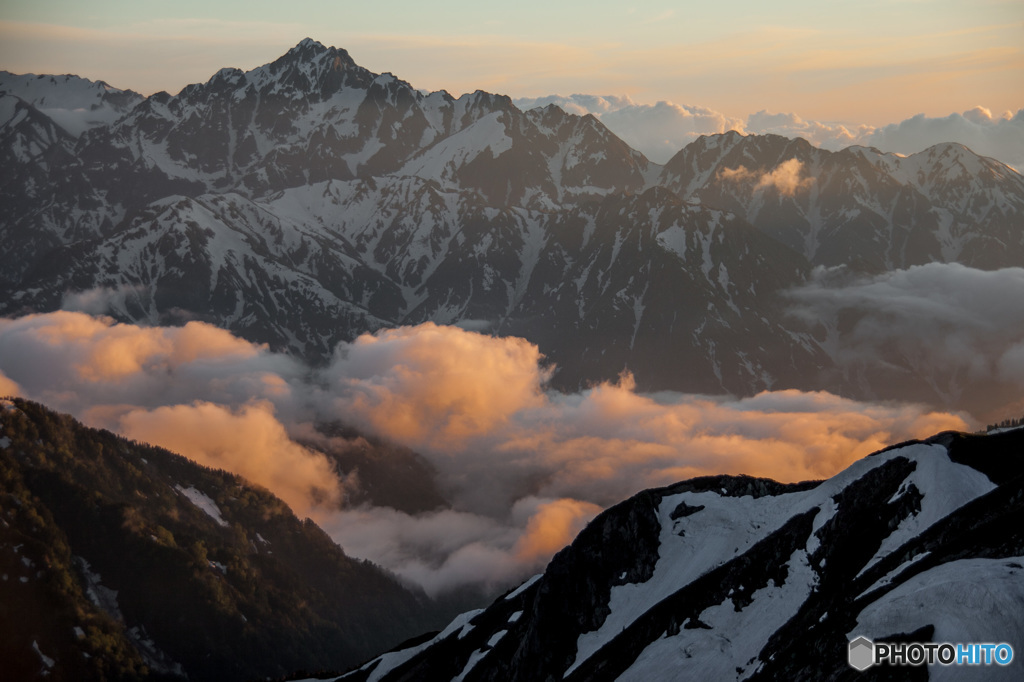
{"x":737,"y":578}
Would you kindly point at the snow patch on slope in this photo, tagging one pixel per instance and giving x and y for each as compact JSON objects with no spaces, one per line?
{"x":389,"y":661}
{"x":438,"y":162}
{"x":200,"y":500}
{"x":733,"y":636}
{"x":942,"y":492}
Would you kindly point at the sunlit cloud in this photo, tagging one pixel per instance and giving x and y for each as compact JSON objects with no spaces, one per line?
{"x":8,"y":387}
{"x":248,"y":441}
{"x":435,"y":385}
{"x":598,"y":445}
{"x":524,"y":467}
{"x":785,"y":178}
{"x":76,"y":363}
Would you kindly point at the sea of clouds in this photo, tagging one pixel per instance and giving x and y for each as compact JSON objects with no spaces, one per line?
{"x":524,"y":467}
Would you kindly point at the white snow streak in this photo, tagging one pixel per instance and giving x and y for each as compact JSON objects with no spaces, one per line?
{"x":200,"y":500}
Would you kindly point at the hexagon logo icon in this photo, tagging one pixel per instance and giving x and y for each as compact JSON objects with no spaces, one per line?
{"x":862,"y":653}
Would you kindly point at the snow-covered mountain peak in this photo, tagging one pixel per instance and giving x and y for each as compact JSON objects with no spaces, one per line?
{"x":314,"y":114}
{"x":308,"y":43}
{"x":228,"y":75}
{"x":724,"y":140}
{"x":47,"y":91}
{"x":75,"y":104}
{"x":312,"y":51}
{"x":307,"y":71}
{"x":482,"y":100}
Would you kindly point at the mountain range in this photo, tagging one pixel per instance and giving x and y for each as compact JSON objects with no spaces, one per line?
{"x":309,"y":200}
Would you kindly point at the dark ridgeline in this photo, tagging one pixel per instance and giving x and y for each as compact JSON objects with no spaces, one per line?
{"x":113,"y":572}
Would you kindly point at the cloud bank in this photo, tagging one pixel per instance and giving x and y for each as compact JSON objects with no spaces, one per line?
{"x":1000,"y":137}
{"x":435,"y":386}
{"x":958,"y":329}
{"x":660,"y":130}
{"x":524,"y":467}
{"x":657,"y":130}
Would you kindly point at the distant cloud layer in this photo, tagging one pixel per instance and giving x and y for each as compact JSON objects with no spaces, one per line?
{"x":957,"y":328}
{"x":524,"y":467}
{"x":660,"y":130}
{"x":1001,"y":137}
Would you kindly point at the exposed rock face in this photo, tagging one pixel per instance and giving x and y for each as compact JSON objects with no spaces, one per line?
{"x":739,"y":578}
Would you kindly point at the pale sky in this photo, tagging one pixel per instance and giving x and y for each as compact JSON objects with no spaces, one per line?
{"x":866,"y":61}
